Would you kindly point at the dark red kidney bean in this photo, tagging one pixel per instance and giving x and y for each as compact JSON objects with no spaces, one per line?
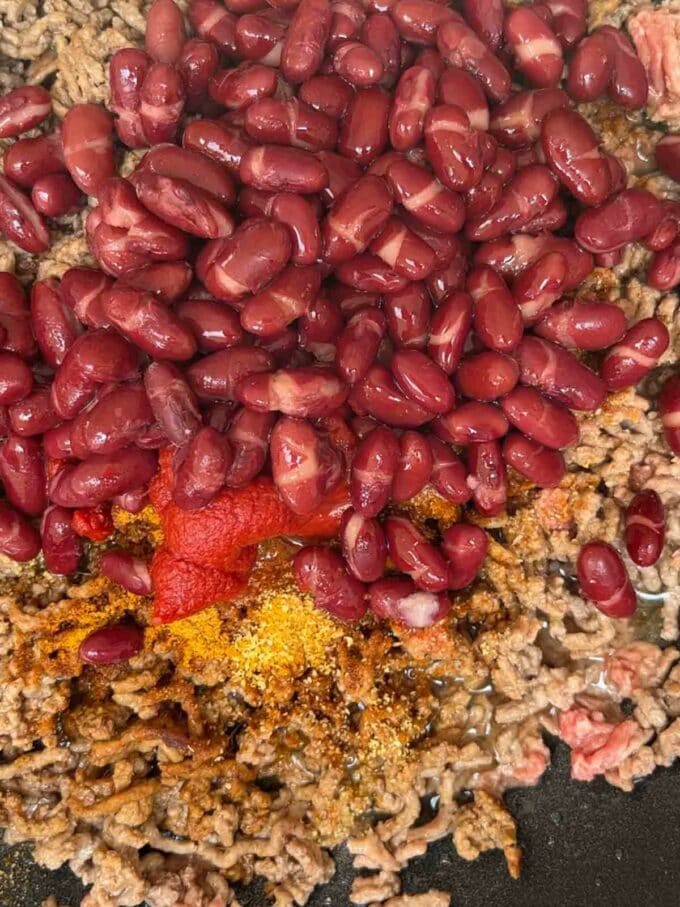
{"x":168,"y":280}
{"x":215,"y":327}
{"x":527,"y":195}
{"x":55,"y":195}
{"x":218,"y":141}
{"x":149,"y":324}
{"x":408,"y":314}
{"x":28,"y":160}
{"x":19,"y":540}
{"x":465,"y":547}
{"x":277,"y":168}
{"x":82,"y":289}
{"x":290,"y":122}
{"x":663,"y":272}
{"x":378,"y":395}
{"x":364,"y":129}
{"x":517,"y":122}
{"x":15,"y":320}
{"x":342,"y":174}
{"x":115,"y":420}
{"x":645,"y":528}
{"x":346,"y":20}
{"x":422,"y":380}
{"x":363,"y":546}
{"x":22,"y":109}
{"x":172,"y":402}
{"x":582,"y":324}
{"x":370,"y":274}
{"x":248,"y":434}
{"x":497,"y":318}
{"x":424,"y":197}
{"x":300,"y":392}
{"x":305,"y":40}
{"x":328,"y":93}
{"x":164,"y":31}
{"x":539,"y":285}
{"x":637,"y":354}
{"x":459,"y":46}
{"x":305,"y":467}
{"x":458,"y":87}
{"x":666,"y":231}
{"x":487,"y":477}
{"x":322,"y":573}
{"x":572,"y":151}
{"x":380,"y":34}
{"x":215,"y":377}
{"x":202,"y":470}
{"x":414,"y":467}
{"x":54,"y":323}
{"x":485,"y":17}
{"x":183,"y":205}
{"x":358,"y":343}
{"x":88,"y":146}
{"x":103,"y":476}
{"x":22,"y":470}
{"x":33,"y":415}
{"x":536,"y":50}
{"x":558,"y":374}
{"x":504,"y":165}
{"x":259,"y":37}
{"x":486,"y":376}
{"x":404,"y":251}
{"x":214,"y":23}
{"x":472,"y":422}
{"x":431,"y":59}
{"x":245,"y":261}
{"x":62,"y":548}
{"x":355,"y":219}
{"x":512,"y":254}
{"x":667,"y":154}
{"x":163,"y":98}
{"x":126,"y":570}
{"x":321,"y":323}
{"x":412,"y":554}
{"x":449,"y":475}
{"x":603,"y":579}
{"x":358,"y":64}
{"x":629,"y":216}
{"x":132,"y":501}
{"x":112,"y":644}
{"x":480,"y":199}
{"x":419,"y":20}
{"x":669,"y":410}
{"x":542,"y":465}
{"x":568,"y":20}
{"x":628,"y":84}
{"x":298,"y":214}
{"x":453,"y":147}
{"x":373,"y":468}
{"x":350,"y":301}
{"x":286,"y":298}
{"x":197,"y":63}
{"x":449,"y":330}
{"x":396,"y":598}
{"x":16,"y":379}
{"x":191,"y":166}
{"x":127,"y":69}
{"x":19,"y":220}
{"x":335,"y":427}
{"x":541,"y":419}
{"x":590,"y":68}
{"x":413,"y":97}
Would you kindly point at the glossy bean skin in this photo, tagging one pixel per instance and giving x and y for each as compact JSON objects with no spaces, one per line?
{"x":248,"y":434}
{"x":669,"y":410}
{"x":197,"y":64}
{"x":19,"y":221}
{"x":379,"y":32}
{"x":425,"y":197}
{"x":528,"y":194}
{"x":415,"y":556}
{"x":126,"y":570}
{"x":480,"y":199}
{"x":603,"y":579}
{"x":414,"y":467}
{"x":33,"y":415}
{"x":22,"y":109}
{"x":328,"y":93}
{"x":582,"y":324}
{"x":449,"y":475}
{"x":497,"y":317}
{"x":629,"y":216}
{"x":558,"y":374}
{"x":456,"y":86}
{"x":55,"y":195}
{"x":82,"y":289}
{"x":22,"y":470}
{"x":259,"y":37}
{"x":215,"y":377}
{"x":663,"y":272}
{"x":240,"y":87}
{"x":404,"y":251}
{"x":422,"y":380}
{"x":414,"y":95}
{"x":275,"y":168}
{"x":16,"y":379}
{"x":358,"y":343}
{"x":537,"y":52}
{"x":419,"y":20}
{"x":218,"y":141}
{"x":449,"y":330}
{"x":486,"y":376}
{"x":396,"y":598}
{"x":459,"y":46}
{"x":127,"y":69}
{"x":149,"y":324}
{"x":485,"y":17}
{"x":300,"y":392}
{"x":543,"y":466}
{"x":290,"y":122}
{"x":162,"y":102}
{"x":305,"y":40}
{"x":285,"y":299}
{"x":168,"y":280}
{"x":363,"y":546}
{"x":88,"y":146}
{"x":19,"y":540}
{"x":28,"y":160}
{"x":465,"y":547}
{"x":111,"y":645}
{"x":62,"y":548}
{"x":517,"y":122}
{"x":377,"y":395}
{"x":628,"y":85}
{"x":183,"y":205}
{"x":305,"y":468}
{"x":572,"y":152}
{"x":667,"y":154}
{"x":298,"y":214}
{"x":645,"y":528}
{"x":101,"y":477}
{"x":190,"y":166}
{"x":115,"y":420}
{"x":453,"y":147}
{"x":408,"y":313}
{"x":373,"y":467}
{"x":540,"y":285}
{"x":364,"y":130}
{"x":322,"y":573}
{"x":590,"y":68}
{"x":637,"y":354}
{"x":540,"y":419}
{"x":370,"y":274}
{"x":172,"y":402}
{"x":246,"y":261}
{"x":164,"y":31}
{"x":202,"y":470}
{"x":357,"y":64}
{"x":15,"y":318}
{"x":472,"y":422}
{"x":213,"y":22}
{"x":487,"y":477}
{"x":54,"y":323}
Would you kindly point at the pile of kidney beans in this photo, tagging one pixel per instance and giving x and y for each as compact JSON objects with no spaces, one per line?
{"x":349,"y":250}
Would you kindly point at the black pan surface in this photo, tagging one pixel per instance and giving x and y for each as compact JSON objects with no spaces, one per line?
{"x":585,"y":845}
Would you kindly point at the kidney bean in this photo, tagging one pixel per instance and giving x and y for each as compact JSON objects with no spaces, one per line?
{"x":412,"y":554}
{"x":168,"y":280}
{"x":396,"y":598}
{"x":449,"y":330}
{"x":527,"y":195}
{"x":22,"y":109}
{"x":246,"y":261}
{"x":540,"y":419}
{"x":163,"y":98}
{"x":62,"y":548}
{"x":667,"y":154}
{"x":355,"y":219}
{"x":370,"y":274}
{"x":629,"y":216}
{"x":19,"y":540}
{"x":132,"y":501}
{"x":183,"y":205}
{"x":458,"y":87}
{"x":465,"y":547}
{"x":259,"y":38}
{"x":380,"y":34}
{"x":582,"y":324}
{"x":414,"y":96}
{"x":471,"y":422}
{"x":404,"y":251}
{"x":164,"y":31}
{"x":215,"y":377}
{"x":240,"y":87}
{"x":172,"y":402}
{"x":431,"y":59}
{"x":329,"y":94}
{"x":274,"y":168}
{"x":290,"y":122}
{"x":543,"y":466}
{"x":480,"y":199}
{"x":539,"y":285}
{"x":248,"y":435}
{"x":127,"y":69}
{"x":113,"y":644}
{"x":16,"y":379}
{"x":408,"y":316}
{"x":453,"y":147}
{"x":88,"y":146}
{"x":305,"y":40}
{"x":192,"y":167}
{"x":218,"y":141}
{"x":54,"y":323}
{"x":15,"y":320}
{"x":213,"y":22}
{"x":666,"y":231}
{"x":82,"y":289}
{"x":358,"y":64}
{"x":669,"y":410}
{"x":572,"y":152}
{"x":590,"y":68}
{"x":568,"y":20}
{"x":299,"y":216}
{"x":347,"y":17}
{"x":22,"y":470}
{"x":305,"y":468}
{"x":286,"y":298}
{"x":126,"y":570}
{"x":485,"y":17}
{"x":322,"y":573}
{"x":422,"y":380}
{"x":342,"y":174}
{"x":19,"y":221}
{"x":363,"y":546}
{"x":418,"y":20}
{"x":55,"y":195}
{"x":349,"y":301}
{"x":449,"y":476}
{"x":536,"y":50}
{"x":603,"y":579}
{"x":645,"y":528}
{"x":28,"y":160}
{"x":378,"y":395}
{"x":517,"y":122}
{"x":558,"y":374}
{"x":321,"y":323}
{"x":197,"y":63}
{"x":115,"y":420}
{"x":636,"y":355}
{"x":149,"y":324}
{"x":203,"y":469}
{"x":510,"y":256}
{"x":663,"y":272}
{"x":34,"y":414}
{"x":486,"y":376}
{"x":102,"y":476}
{"x":300,"y":392}
{"x":628,"y":84}
{"x":364,"y":129}
{"x":358,"y":343}
{"x":414,"y":468}
{"x":497,"y":318}
{"x":487,"y":477}
{"x":459,"y":46}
